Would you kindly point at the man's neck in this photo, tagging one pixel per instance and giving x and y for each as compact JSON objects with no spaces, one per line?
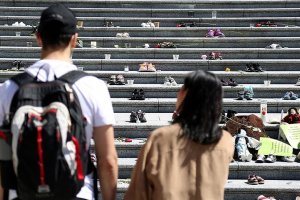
{"x":62,"y":55}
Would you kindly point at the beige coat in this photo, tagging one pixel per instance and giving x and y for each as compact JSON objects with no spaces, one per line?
{"x":171,"y":167}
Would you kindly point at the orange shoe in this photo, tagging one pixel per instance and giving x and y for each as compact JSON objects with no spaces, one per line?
{"x":151,"y":68}
{"x":143,"y":67}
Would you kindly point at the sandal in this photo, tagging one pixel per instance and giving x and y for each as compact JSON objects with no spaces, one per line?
{"x":134,"y":95}
{"x":120,"y":80}
{"x":260,"y":180}
{"x":143,"y":67}
{"x":252,"y":180}
{"x":112,"y":80}
{"x":151,"y":68}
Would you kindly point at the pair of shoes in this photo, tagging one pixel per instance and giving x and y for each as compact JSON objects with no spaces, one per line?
{"x":186,"y":24}
{"x":262,"y":197}
{"x":116,"y":80}
{"x":288,"y":158}
{"x":273,"y":46}
{"x":255,"y":180}
{"x":138,"y":94}
{"x":18,"y":65}
{"x":290,"y":96}
{"x":253,"y":67}
{"x":214,"y":33}
{"x":165,"y":45}
{"x":270,"y":159}
{"x":137,"y":117}
{"x":230,"y":82}
{"x":147,"y":67}
{"x":124,"y":35}
{"x":266,"y":24}
{"x":148,"y":24}
{"x":215,"y":56}
{"x":108,"y":24}
{"x":244,"y":94}
{"x":18,"y":24}
{"x":169,"y":81}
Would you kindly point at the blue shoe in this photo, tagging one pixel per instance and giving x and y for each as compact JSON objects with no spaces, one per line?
{"x":287,"y":96}
{"x":293,"y":96}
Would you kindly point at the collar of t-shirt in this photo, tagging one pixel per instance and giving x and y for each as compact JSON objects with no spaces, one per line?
{"x":48,"y":70}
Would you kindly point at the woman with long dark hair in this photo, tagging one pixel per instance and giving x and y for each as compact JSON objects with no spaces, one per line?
{"x":188,"y":159}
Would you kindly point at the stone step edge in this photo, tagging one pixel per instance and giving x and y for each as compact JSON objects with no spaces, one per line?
{"x":238,"y":185}
{"x":129,"y":163}
{"x":270,"y":9}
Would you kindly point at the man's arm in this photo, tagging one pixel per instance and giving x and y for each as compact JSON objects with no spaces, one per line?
{"x":107,"y":161}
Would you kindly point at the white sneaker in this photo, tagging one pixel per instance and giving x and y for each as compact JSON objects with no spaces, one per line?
{"x":298,"y":82}
{"x":172,"y":81}
{"x":15,"y":24}
{"x":22,"y":24}
{"x":119,"y":35}
{"x":246,"y":157}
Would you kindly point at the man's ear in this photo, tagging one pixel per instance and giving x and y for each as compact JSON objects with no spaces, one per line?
{"x":73,"y":41}
{"x":38,"y":39}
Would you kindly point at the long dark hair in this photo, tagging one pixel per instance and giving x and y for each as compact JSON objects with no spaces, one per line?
{"x":199,"y":113}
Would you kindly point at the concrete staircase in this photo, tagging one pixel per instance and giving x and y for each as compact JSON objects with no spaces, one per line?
{"x":243,"y":44}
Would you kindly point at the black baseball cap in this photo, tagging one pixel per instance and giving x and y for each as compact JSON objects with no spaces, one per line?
{"x":57,"y":19}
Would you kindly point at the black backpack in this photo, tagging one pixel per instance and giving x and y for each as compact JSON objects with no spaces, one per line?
{"x":49,"y":147}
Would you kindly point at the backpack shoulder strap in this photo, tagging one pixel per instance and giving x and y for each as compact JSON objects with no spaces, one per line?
{"x":22,"y":78}
{"x":73,"y":76}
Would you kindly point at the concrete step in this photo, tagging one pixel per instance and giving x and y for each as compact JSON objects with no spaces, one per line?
{"x":167,"y":105}
{"x":237,"y":170}
{"x":159,"y":12}
{"x":180,"y":42}
{"x":190,"y":4}
{"x":158,"y":53}
{"x":163,"y":91}
{"x":242,"y":77}
{"x":164,"y":22}
{"x":124,"y":128}
{"x":139,"y":31}
{"x":239,"y":189}
{"x":273,"y":67}
{"x":153,"y":81}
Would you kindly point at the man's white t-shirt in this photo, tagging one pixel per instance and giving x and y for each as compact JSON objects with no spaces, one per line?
{"x":92,"y":93}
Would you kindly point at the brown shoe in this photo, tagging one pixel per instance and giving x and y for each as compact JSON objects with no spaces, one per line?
{"x":252,"y":180}
{"x":260,"y":180}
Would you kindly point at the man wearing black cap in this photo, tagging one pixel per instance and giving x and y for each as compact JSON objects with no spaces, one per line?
{"x":57,"y":35}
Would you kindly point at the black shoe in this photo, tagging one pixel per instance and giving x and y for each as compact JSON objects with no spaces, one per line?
{"x":141,"y":95}
{"x":240,"y":95}
{"x":249,"y":68}
{"x":141,"y":116}
{"x":224,"y":83}
{"x":257,"y":67}
{"x":247,"y":95}
{"x":231,"y":113}
{"x":232,"y":83}
{"x":133,"y":117}
{"x":112,"y":80}
{"x":18,"y":64}
{"x":135,"y":95}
